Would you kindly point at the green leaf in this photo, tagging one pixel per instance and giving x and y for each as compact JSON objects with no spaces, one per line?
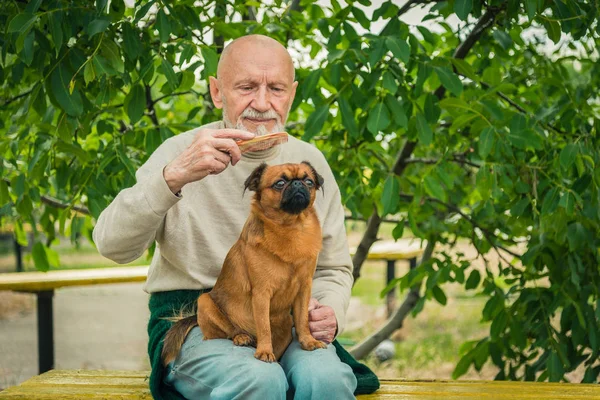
{"x":486,"y":141}
{"x":434,"y":188}
{"x":555,"y":368}
{"x":498,"y":325}
{"x":348,"y":117}
{"x":423,"y":130}
{"x":97,"y":26}
{"x":398,"y":230}
{"x":439,"y":295}
{"x":211,"y":61}
{"x":310,"y":83}
{"x":568,"y":155}
{"x":553,"y":29}
{"x":473,"y":280}
{"x":55,"y":20}
{"x":40,"y":258}
{"x":389,"y":82}
{"x":167,"y":69}
{"x":315,"y":122}
{"x":163,"y":25}
{"x":111,"y":52}
{"x":135,"y":103}
{"x":449,"y":80}
{"x":4,"y":195}
{"x":463,"y":8}
{"x":550,"y":202}
{"x":397,"y":111}
{"x":531,"y":7}
{"x":361,"y":17}
{"x":567,"y":201}
{"x":131,"y":41}
{"x":89,"y":72}
{"x":126,"y":161}
{"x":71,"y":103}
{"x":465,"y":69}
{"x":391,"y":195}
{"x":463,"y":366}
{"x":399,"y":48}
{"x":21,"y":23}
{"x":379,"y":119}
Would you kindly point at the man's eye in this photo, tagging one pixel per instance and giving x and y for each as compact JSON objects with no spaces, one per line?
{"x":278,"y":90}
{"x":279,"y":184}
{"x":309,"y":182}
{"x":246,"y":88}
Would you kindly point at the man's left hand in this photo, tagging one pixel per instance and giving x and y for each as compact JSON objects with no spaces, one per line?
{"x":321,"y":321}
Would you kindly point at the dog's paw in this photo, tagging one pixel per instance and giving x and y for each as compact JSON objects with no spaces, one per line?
{"x":266,"y":356}
{"x":243,"y":339}
{"x":311,"y":344}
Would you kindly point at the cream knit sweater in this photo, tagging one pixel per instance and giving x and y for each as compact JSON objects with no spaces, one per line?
{"x":194,"y":232}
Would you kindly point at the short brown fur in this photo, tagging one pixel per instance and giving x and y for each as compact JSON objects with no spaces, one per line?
{"x":267,"y":273}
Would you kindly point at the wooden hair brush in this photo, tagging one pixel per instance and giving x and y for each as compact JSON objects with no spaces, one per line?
{"x":262,"y":142}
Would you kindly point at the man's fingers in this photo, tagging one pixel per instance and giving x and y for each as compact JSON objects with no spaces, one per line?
{"x":319,"y":314}
{"x":228,"y":146}
{"x":233,"y":134}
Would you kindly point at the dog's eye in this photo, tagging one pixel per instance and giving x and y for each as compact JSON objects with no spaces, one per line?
{"x":309,"y":182}
{"x":279,"y":184}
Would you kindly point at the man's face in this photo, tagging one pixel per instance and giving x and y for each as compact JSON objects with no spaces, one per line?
{"x":255,"y":90}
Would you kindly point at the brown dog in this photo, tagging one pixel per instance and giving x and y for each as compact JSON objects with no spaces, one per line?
{"x":268,"y":272}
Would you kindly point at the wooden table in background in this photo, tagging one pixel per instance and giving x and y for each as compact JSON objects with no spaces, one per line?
{"x":43,"y":284}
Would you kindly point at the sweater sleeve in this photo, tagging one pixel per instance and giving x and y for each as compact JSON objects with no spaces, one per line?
{"x":129,"y":225}
{"x":332,"y":283}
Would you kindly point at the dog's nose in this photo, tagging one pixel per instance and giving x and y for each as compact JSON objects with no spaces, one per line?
{"x":297,"y":183}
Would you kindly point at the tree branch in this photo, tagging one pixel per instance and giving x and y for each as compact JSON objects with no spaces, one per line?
{"x":53,"y":202}
{"x":489,"y":235}
{"x":365,"y":244}
{"x":396,"y":321}
{"x":456,"y":158}
{"x":150,"y":106}
{"x":17,"y":97}
{"x":484,"y":23}
{"x":171,"y":95}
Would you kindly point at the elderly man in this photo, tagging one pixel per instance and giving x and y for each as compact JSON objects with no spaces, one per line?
{"x":189,"y":199}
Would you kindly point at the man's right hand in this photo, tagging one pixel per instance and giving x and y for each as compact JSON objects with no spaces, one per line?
{"x":209,"y":154}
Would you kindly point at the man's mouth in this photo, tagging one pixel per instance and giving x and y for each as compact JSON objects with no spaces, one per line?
{"x":259,"y":120}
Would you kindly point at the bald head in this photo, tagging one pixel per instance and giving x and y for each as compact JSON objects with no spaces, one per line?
{"x":255,"y":49}
{"x":254,"y":84}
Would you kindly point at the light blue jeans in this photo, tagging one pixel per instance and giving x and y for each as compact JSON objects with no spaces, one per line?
{"x":217,"y":369}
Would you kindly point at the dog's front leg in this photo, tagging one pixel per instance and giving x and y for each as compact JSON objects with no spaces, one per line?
{"x":261,"y":301}
{"x":306,"y":339}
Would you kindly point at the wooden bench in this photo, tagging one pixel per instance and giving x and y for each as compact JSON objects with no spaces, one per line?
{"x":391,"y":251}
{"x":133,"y":385}
{"x":43,"y":285}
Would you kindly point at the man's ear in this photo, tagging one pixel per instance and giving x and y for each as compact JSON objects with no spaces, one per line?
{"x":253,"y":181}
{"x":215,"y":92}
{"x":294,"y":86}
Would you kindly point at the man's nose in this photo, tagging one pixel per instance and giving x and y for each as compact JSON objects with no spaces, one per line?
{"x":262,"y":101}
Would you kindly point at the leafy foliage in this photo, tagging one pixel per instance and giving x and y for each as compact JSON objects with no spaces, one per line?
{"x":481,"y":129}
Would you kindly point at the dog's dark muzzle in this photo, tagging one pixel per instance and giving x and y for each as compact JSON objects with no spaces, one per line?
{"x":295,"y":197}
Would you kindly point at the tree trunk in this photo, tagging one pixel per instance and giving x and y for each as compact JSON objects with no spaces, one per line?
{"x":395,"y":322}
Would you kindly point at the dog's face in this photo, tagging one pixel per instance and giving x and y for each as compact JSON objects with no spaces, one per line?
{"x":288,"y":188}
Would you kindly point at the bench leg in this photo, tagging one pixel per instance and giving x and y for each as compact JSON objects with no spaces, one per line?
{"x":45,"y":330}
{"x":391,"y":295}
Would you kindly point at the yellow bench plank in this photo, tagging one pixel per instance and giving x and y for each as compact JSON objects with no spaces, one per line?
{"x":133,"y":385}
{"x":38,"y":281}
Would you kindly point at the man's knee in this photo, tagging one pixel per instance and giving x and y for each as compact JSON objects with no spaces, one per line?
{"x":261,"y":381}
{"x":314,"y":380}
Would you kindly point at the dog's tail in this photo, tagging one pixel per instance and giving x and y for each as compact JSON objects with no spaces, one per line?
{"x":175,"y":337}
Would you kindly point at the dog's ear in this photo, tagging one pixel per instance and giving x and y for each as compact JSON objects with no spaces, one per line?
{"x":318,"y":177}
{"x":253,"y":181}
